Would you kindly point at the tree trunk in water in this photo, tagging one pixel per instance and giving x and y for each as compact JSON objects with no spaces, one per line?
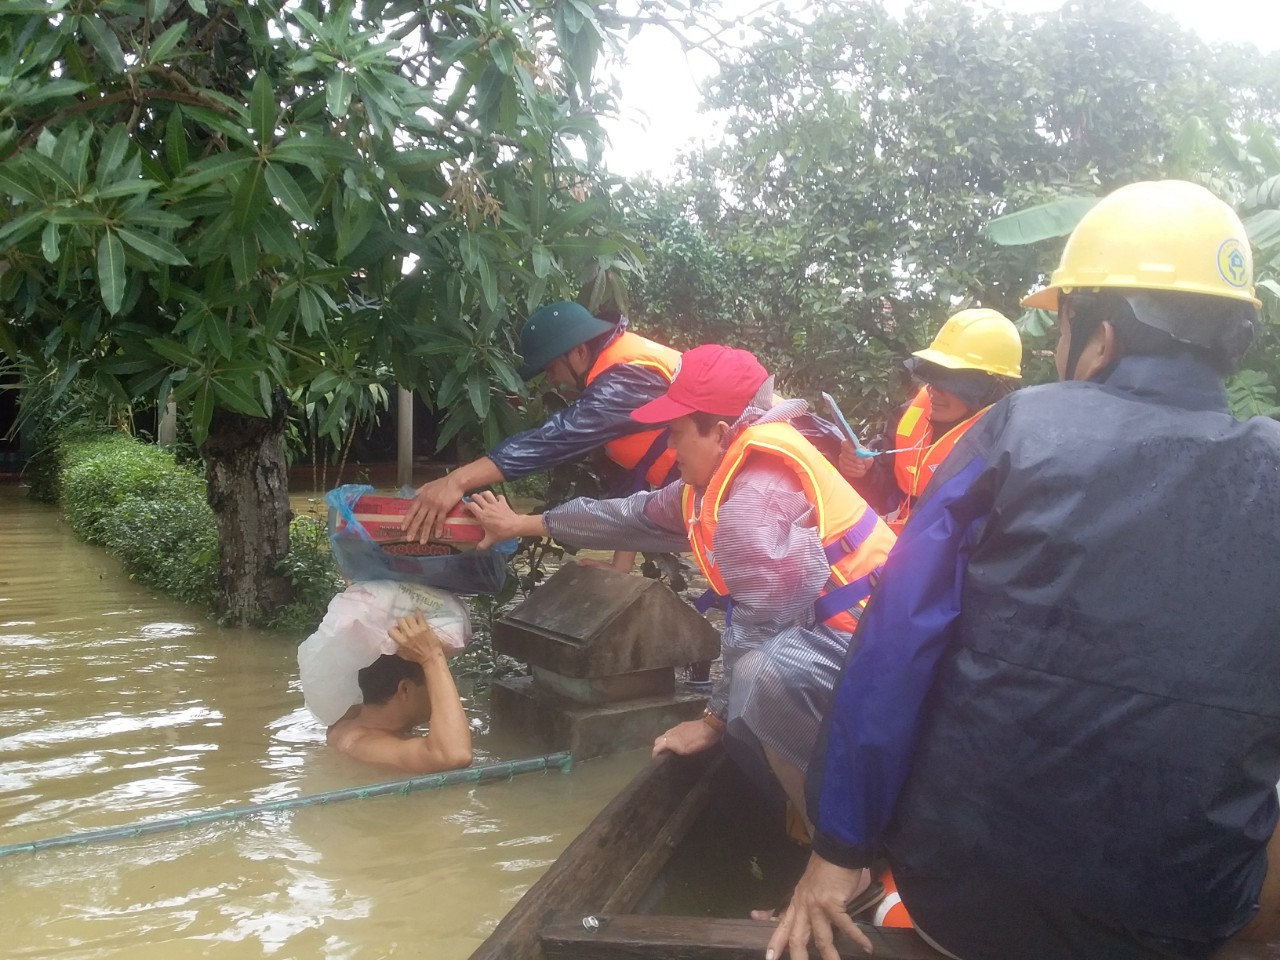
{"x":249,"y":494}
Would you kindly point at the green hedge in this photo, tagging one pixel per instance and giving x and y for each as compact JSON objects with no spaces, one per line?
{"x":151,"y":512}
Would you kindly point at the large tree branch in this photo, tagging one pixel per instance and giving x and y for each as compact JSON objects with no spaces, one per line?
{"x":137,"y":96}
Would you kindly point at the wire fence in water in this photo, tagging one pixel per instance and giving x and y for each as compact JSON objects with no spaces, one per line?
{"x":503,"y":770}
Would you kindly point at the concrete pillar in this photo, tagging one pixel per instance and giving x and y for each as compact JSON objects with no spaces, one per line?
{"x":404,"y":437}
{"x":167,"y":430}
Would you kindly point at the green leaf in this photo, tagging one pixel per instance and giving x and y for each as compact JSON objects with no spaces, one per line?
{"x":15,"y":231}
{"x":17,"y":185}
{"x":244,"y":256}
{"x":114,"y":147}
{"x":175,"y":353}
{"x":199,"y":6}
{"x":202,"y":405}
{"x":309,"y":22}
{"x":1263,"y":228}
{"x":252,"y":194}
{"x":478,"y":391}
{"x":312,"y":312}
{"x":165,"y":44}
{"x":507,"y":374}
{"x":262,"y":108}
{"x":128,"y":187}
{"x":238,"y":397}
{"x":338,"y":94}
{"x":175,"y":143}
{"x":504,"y":54}
{"x":49,"y":245}
{"x":456,"y":49}
{"x":357,"y":219}
{"x":542,"y":261}
{"x":152,"y":247}
{"x":1057,"y":218}
{"x":488,"y":284}
{"x":103,"y":41}
{"x":111,"y":272}
{"x":305,"y":150}
{"x":286,"y":190}
{"x":219,"y":167}
{"x":150,"y":217}
{"x":324,"y":382}
{"x":276,"y":236}
{"x":216,"y":329}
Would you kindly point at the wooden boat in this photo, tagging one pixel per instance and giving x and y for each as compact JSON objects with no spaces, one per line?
{"x":670,"y":870}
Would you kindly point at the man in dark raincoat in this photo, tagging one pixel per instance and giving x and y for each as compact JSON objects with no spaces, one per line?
{"x":1062,"y":719}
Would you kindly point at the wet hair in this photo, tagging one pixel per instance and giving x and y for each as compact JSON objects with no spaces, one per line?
{"x":380,"y":680}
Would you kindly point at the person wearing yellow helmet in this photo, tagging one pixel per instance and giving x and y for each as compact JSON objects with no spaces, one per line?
{"x":972,"y":362}
{"x":1061,"y":718}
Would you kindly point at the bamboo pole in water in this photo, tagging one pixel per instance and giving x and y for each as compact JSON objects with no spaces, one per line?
{"x":503,"y":770}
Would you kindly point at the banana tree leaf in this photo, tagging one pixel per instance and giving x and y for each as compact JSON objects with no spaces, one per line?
{"x":1044,"y":222}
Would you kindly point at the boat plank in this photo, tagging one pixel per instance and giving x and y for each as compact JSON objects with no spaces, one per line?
{"x":624,"y":898}
{"x":638,"y":937}
{"x":594,"y":864}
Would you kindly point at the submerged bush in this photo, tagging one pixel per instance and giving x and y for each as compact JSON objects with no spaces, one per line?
{"x":315,"y":577}
{"x":168,"y":542}
{"x":100,"y":473}
{"x":152,"y":513}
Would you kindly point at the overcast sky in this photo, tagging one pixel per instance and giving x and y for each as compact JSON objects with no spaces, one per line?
{"x":660,"y":95}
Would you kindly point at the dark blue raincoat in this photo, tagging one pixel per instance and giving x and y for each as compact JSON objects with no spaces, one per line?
{"x":602,"y":413}
{"x":1062,"y":718}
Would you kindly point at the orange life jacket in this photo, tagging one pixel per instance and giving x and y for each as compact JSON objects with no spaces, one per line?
{"x":919,"y":455}
{"x":855,"y":539}
{"x":891,"y":911}
{"x":644,"y":453}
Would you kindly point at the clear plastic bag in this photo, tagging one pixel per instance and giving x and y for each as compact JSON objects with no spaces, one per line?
{"x":361,"y":559}
{"x":353,"y":634}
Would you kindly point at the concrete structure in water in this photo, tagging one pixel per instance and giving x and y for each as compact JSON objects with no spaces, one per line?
{"x":603,"y":647}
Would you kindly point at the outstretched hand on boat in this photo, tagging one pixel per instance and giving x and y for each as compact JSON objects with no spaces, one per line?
{"x":692,"y":736}
{"x":818,"y":904}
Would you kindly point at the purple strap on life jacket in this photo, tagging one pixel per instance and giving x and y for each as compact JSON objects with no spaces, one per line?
{"x":639,"y":479}
{"x":711,"y":599}
{"x":842,"y":598}
{"x":853,"y":538}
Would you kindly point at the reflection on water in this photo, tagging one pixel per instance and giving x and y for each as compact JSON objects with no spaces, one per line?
{"x":117,"y":705}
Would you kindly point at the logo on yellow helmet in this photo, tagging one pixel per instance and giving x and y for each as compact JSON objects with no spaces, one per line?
{"x":1232,"y":263}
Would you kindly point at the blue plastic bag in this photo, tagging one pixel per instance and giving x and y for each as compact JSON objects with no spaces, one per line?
{"x":360,"y":559}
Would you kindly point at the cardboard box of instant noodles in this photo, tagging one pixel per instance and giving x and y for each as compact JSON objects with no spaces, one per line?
{"x":381,"y":517}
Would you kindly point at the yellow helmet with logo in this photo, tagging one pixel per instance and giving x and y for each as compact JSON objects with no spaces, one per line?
{"x":1167,"y":235}
{"x":978,"y":339}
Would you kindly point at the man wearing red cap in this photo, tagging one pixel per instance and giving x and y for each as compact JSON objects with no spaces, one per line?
{"x":783,"y":540}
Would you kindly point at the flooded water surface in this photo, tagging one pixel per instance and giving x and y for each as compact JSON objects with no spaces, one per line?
{"x":118,"y":706}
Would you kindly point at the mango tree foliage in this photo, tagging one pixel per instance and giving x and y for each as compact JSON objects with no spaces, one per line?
{"x":865,"y":153}
{"x":237,"y":202}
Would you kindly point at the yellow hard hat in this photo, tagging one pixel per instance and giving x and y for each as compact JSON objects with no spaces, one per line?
{"x":1156,"y":235}
{"x":978,"y":339}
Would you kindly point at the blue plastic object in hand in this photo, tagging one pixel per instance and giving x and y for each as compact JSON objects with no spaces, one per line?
{"x":858,"y":448}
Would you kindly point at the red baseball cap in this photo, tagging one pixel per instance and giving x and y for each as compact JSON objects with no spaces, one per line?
{"x":708,"y":379}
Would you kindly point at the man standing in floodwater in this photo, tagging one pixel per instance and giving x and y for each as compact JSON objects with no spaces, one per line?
{"x":784,"y":540}
{"x":401,"y":691}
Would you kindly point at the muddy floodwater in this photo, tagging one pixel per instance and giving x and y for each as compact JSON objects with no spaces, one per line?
{"x":118,"y":705}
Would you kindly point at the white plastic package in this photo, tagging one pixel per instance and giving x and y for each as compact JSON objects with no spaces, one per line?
{"x":353,"y":634}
